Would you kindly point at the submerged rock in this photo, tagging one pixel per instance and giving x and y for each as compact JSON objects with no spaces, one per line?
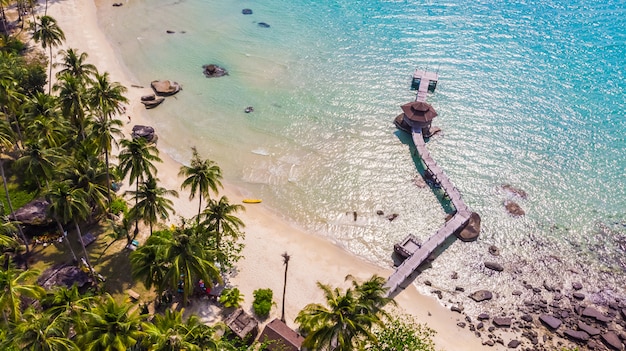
{"x":514,"y":209}
{"x":213,"y":71}
{"x":263,"y":25}
{"x":515,"y":191}
{"x":246,"y":11}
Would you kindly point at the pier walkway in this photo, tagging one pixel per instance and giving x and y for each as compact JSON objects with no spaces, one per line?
{"x":408,"y":270}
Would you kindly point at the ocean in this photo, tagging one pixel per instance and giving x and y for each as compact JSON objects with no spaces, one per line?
{"x":531,"y":94}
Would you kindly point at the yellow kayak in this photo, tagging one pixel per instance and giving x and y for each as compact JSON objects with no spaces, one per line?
{"x":251,"y":201}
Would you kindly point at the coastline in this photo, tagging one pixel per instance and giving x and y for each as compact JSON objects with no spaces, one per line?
{"x":267,"y":235}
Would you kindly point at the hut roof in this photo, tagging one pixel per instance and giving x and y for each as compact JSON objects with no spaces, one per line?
{"x":281,"y":337}
{"x":242,"y":324}
{"x":63,"y":275}
{"x":33,"y":213}
{"x":419,"y":111}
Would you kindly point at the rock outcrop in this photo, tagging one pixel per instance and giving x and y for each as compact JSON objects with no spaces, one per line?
{"x":213,"y":71}
{"x":145,"y":132}
{"x":165,"y":87}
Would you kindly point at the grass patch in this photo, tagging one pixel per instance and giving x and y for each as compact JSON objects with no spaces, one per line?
{"x":19,"y":196}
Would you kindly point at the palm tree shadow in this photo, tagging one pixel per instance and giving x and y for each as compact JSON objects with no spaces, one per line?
{"x":116,"y":267}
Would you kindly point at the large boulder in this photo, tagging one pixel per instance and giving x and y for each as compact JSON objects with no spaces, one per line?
{"x":481,"y":295}
{"x":612,"y":340}
{"x":212,"y":71}
{"x":33,"y":213}
{"x":63,"y":275}
{"x":165,"y":87}
{"x":550,"y":321}
{"x":471,"y":230}
{"x":145,"y":132}
{"x":577,"y":335}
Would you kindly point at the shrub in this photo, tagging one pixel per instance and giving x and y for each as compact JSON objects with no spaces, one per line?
{"x":118,"y":205}
{"x":231,"y":298}
{"x":262,"y":302}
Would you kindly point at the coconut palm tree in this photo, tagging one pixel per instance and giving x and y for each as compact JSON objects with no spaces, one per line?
{"x":38,"y":163}
{"x":50,"y":35}
{"x":72,"y":99}
{"x":148,"y":263}
{"x":342,"y":326}
{"x":13,"y":289}
{"x":286,"y":259}
{"x":372,"y":295}
{"x":87,"y":172}
{"x":202,"y":176}
{"x":74,"y":64}
{"x":152,"y":202}
{"x":104,"y":131}
{"x":219,"y":217}
{"x":42,"y":332}
{"x":136,"y":161}
{"x":69,"y":204}
{"x":167,"y":332}
{"x":68,"y":305}
{"x":110,"y":327}
{"x":44,"y":123}
{"x":7,"y":143}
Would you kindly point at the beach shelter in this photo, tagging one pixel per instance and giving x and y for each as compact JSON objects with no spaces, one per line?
{"x":280,"y":337}
{"x":419,"y":111}
{"x":243,"y":324}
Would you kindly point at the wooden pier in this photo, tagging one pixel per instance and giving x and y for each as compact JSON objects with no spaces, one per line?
{"x":408,"y":270}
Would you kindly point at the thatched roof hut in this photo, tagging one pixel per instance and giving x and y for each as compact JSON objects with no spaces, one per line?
{"x":280,"y":337}
{"x":419,"y":111}
{"x":243,"y":324}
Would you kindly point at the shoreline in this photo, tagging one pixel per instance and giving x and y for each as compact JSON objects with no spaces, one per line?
{"x":313,"y":258}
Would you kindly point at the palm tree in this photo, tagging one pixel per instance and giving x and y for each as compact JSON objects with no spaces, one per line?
{"x":72,"y":95}
{"x":219,"y":217}
{"x":44,"y":122}
{"x":342,"y":326}
{"x":372,"y":295}
{"x":167,"y":332}
{"x":110,"y":327}
{"x":13,"y":290}
{"x":148,"y":263}
{"x":6,"y":143}
{"x":69,"y":204}
{"x":74,"y":64}
{"x":286,"y":259}
{"x":38,"y":162}
{"x":49,"y":34}
{"x":68,"y":305}
{"x":188,"y":262}
{"x":41,"y":332}
{"x":202,"y":176}
{"x":87,"y":172}
{"x":136,"y":159}
{"x":152,"y":203}
{"x":104,"y":132}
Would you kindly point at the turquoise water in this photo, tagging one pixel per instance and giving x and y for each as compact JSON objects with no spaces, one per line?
{"x":531,"y":94}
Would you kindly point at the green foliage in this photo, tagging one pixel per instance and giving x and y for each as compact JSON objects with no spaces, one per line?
{"x":11,"y":44}
{"x":19,"y":196}
{"x":262,"y":302}
{"x":118,"y":205}
{"x":402,"y":332}
{"x":231,"y":298}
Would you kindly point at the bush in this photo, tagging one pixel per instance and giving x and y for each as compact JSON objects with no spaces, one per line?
{"x":231,"y":298}
{"x":118,"y":205}
{"x":262,"y":302}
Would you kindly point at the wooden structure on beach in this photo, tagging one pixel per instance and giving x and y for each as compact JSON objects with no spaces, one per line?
{"x":408,"y":270}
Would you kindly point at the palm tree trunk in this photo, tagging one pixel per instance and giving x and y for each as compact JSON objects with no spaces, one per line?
{"x":82,"y":244}
{"x":199,"y":206}
{"x":50,"y":76}
{"x":282,"y":315}
{"x":6,"y":191}
{"x":136,"y":200}
{"x":67,"y":241}
{"x":106,"y":158}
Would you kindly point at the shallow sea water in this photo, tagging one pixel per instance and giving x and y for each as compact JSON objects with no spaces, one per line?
{"x":531,"y":94}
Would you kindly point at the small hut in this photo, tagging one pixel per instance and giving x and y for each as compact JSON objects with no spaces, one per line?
{"x":280,"y":337}
{"x":243,"y":324}
{"x":417,"y":115}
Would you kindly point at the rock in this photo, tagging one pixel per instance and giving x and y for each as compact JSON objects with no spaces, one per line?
{"x":165,"y":87}
{"x":263,"y":25}
{"x":578,"y":296}
{"x":117,"y":4}
{"x":527,"y":318}
{"x":471,"y":230}
{"x":516,"y":293}
{"x":148,"y":97}
{"x":454,"y":275}
{"x":514,"y":209}
{"x":588,"y":329}
{"x":494,"y":250}
{"x":249,"y":109}
{"x":170,"y":31}
{"x":380,"y":213}
{"x":595,"y":314}
{"x":438,"y":293}
{"x":427,"y":283}
{"x":246,"y":11}
{"x":213,"y":71}
{"x":392,"y":216}
{"x":502,"y":322}
{"x":494,"y":266}
{"x":513,"y":344}
{"x":577,"y":335}
{"x":33,"y":213}
{"x":459,"y":289}
{"x":480,"y":326}
{"x":550,"y":321}
{"x":152,"y":103}
{"x":577,"y":286}
{"x":145,"y":132}
{"x":549,"y":287}
{"x":514,"y":191}
{"x":483,"y":316}
{"x":481,"y":295}
{"x":461,"y":324}
{"x":489,"y":342}
{"x":623,"y":310}
{"x":612,"y":340}
{"x":456,"y":309}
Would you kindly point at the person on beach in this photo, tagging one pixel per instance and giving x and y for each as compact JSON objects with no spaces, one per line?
{"x":128,"y":119}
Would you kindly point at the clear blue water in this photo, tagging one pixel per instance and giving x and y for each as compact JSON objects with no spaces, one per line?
{"x":531,"y":93}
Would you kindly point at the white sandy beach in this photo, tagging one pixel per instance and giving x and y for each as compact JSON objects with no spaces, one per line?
{"x":313,"y":258}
